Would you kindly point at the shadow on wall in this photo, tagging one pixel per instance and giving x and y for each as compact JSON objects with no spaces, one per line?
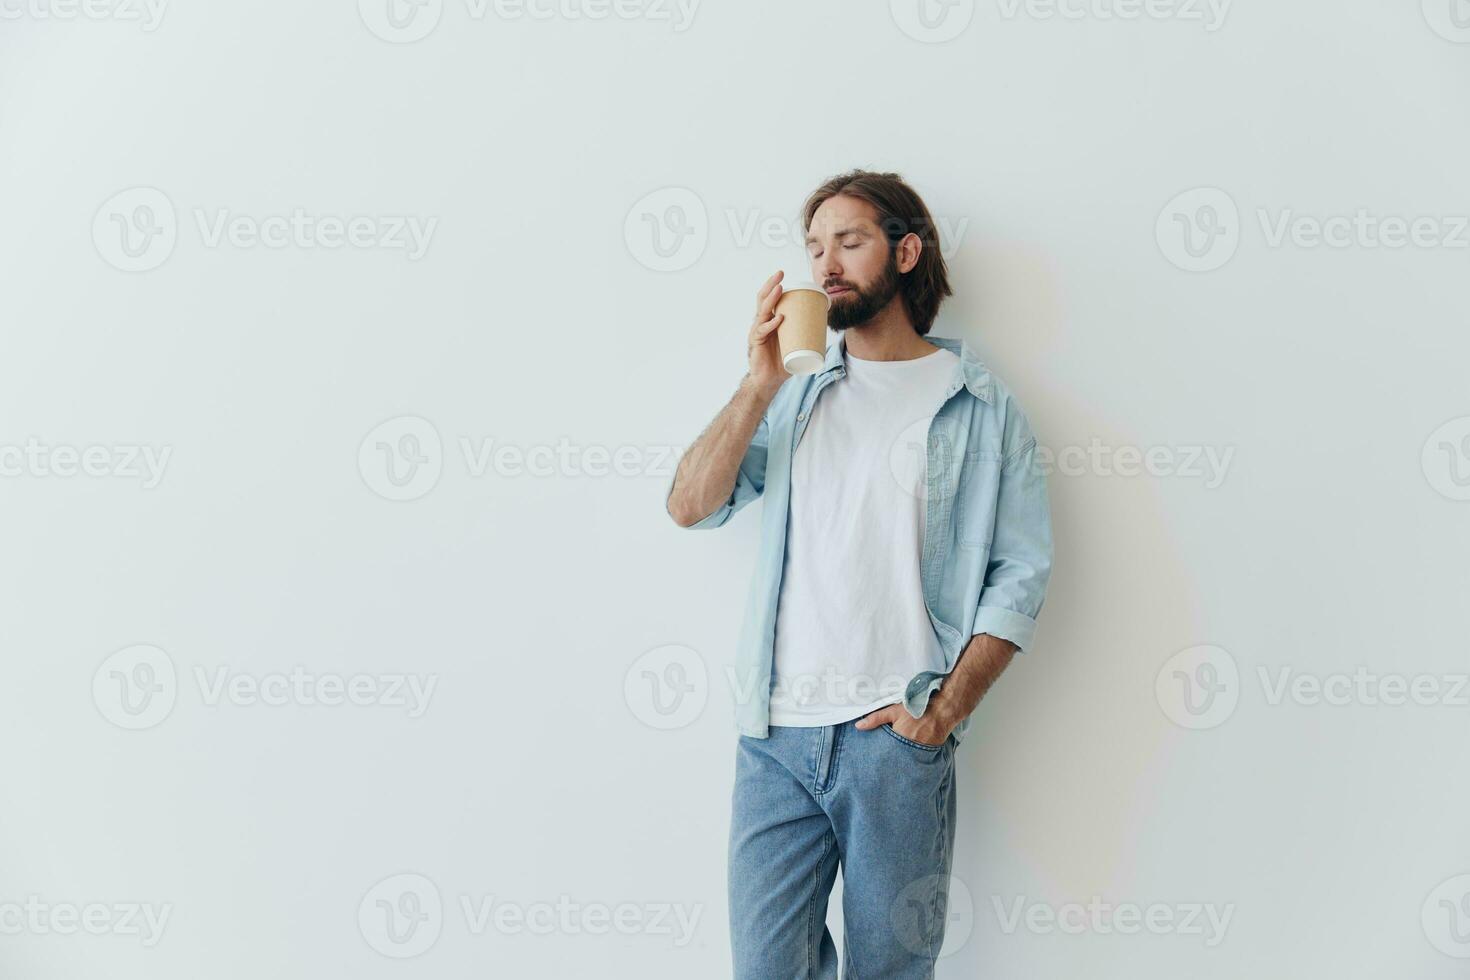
{"x":1067,"y":747}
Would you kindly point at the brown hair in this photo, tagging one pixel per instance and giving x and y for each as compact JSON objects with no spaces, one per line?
{"x":900,"y":212}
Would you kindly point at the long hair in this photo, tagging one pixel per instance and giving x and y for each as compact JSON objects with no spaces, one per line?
{"x":900,"y":212}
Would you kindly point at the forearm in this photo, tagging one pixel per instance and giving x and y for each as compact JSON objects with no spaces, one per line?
{"x":706,"y":474}
{"x":980,"y":664}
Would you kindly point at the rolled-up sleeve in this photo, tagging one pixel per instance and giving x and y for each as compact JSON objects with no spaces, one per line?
{"x":1019,"y":565}
{"x":750,"y":480}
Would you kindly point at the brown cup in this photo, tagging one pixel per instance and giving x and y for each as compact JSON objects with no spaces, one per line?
{"x":802,"y":334}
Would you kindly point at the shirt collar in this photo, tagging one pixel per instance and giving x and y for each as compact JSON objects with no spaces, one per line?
{"x":973,"y":374}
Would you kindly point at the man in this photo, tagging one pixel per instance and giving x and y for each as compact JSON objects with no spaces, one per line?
{"x":905,"y":552}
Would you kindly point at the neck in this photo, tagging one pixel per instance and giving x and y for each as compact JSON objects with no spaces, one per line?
{"x":889,"y":336}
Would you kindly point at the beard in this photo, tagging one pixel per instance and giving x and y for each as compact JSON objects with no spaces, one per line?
{"x":862,"y":303}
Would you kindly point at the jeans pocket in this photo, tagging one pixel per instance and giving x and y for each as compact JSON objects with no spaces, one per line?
{"x":922,"y":746}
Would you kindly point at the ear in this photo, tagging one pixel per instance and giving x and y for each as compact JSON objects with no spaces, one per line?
{"x":907,"y":252}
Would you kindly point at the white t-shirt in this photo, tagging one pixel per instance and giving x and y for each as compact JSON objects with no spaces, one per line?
{"x":851,"y":626}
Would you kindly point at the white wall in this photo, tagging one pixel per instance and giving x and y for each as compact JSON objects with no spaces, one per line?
{"x":539,"y":314}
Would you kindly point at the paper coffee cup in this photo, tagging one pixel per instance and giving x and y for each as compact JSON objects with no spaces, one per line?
{"x":802,"y":334}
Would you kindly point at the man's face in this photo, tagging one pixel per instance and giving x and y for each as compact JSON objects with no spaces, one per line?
{"x":851,"y":260}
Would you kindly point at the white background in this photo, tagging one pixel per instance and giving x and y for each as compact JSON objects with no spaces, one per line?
{"x":544,"y":313}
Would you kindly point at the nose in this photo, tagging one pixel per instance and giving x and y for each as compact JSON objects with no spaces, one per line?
{"x":826,"y":267}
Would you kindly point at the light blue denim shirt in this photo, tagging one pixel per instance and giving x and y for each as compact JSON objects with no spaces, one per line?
{"x":987,"y":525}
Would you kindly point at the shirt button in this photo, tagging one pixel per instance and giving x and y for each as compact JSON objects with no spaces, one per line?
{"x":800,"y":416}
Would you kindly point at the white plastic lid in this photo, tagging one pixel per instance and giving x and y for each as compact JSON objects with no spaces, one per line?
{"x":804,"y":361}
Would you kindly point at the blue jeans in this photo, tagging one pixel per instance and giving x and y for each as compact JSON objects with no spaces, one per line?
{"x":809,"y":799}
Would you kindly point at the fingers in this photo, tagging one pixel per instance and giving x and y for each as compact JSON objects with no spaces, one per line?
{"x":876,"y":718}
{"x":760,"y":330}
{"x":770,"y":295}
{"x":767,"y":286}
{"x":768,"y":305}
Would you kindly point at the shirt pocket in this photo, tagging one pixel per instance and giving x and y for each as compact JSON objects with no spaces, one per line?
{"x":975,"y":502}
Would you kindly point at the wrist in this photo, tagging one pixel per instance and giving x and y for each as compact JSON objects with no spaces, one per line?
{"x":945,"y":710}
{"x":764,"y":391}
